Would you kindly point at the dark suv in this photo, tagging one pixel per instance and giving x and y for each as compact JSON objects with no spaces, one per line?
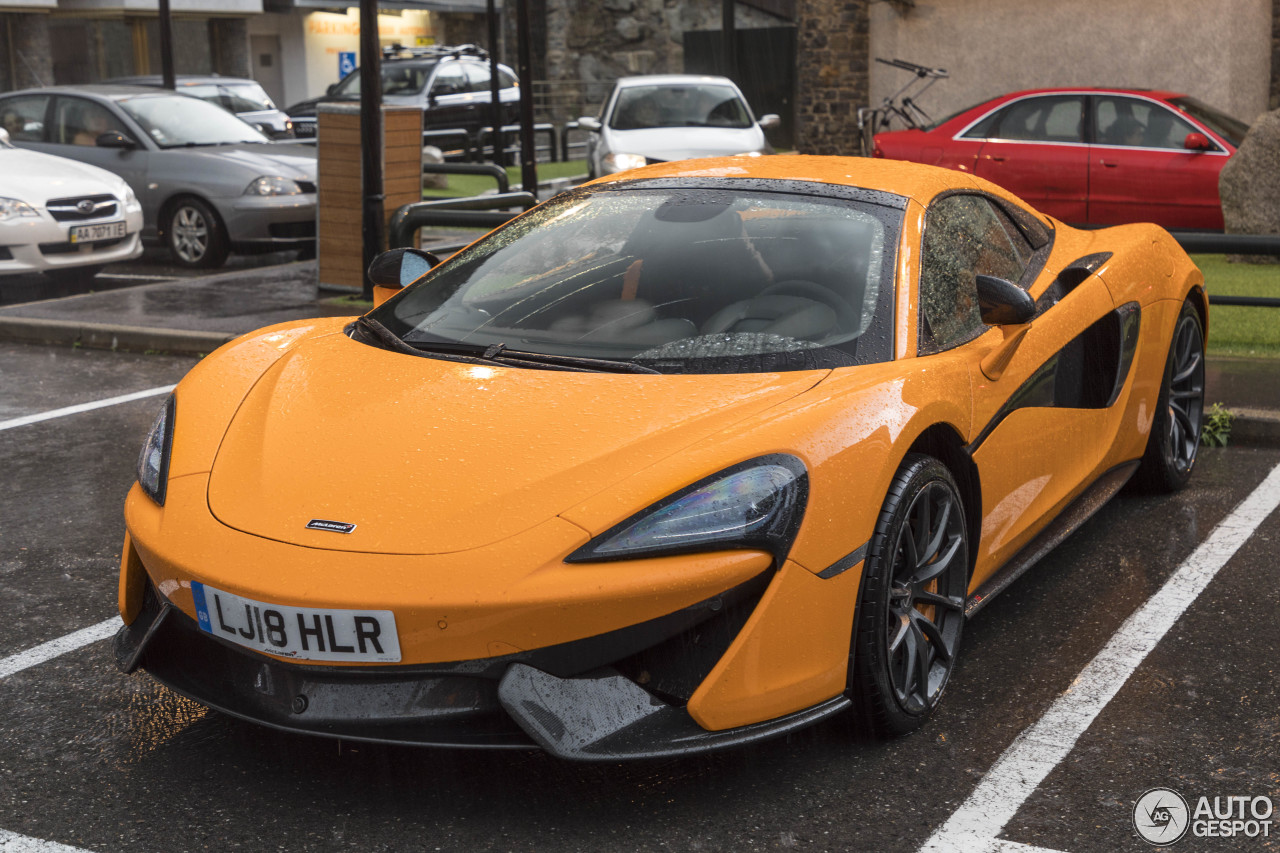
{"x":451,"y":84}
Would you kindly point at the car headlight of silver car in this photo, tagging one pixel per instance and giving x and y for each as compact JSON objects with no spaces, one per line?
{"x":153,"y":461}
{"x":13,"y":208}
{"x":273,"y":185}
{"x":754,"y":504}
{"x":621,"y":162}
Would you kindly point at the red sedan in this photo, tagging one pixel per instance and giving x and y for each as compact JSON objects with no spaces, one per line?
{"x":1088,"y":156}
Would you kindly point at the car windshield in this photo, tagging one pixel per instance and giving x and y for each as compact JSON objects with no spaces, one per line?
{"x":1229,"y":128}
{"x":237,"y":97}
{"x":692,"y":280}
{"x":398,"y":78}
{"x":703,"y":105}
{"x":175,"y":121}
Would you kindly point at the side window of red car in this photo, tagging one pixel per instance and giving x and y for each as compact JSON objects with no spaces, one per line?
{"x":1053,"y":118}
{"x":964,"y":236}
{"x":1139,"y":123}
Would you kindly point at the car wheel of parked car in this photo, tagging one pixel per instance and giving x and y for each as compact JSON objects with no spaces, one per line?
{"x":1175,"y":430}
{"x":74,"y":275}
{"x":195,"y":235}
{"x":912,"y":602}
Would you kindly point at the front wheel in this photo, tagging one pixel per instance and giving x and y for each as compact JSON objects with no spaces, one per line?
{"x":1175,"y":430}
{"x":912,"y":602}
{"x":195,"y":235}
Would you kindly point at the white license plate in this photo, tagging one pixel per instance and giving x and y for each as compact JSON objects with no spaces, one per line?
{"x":101,"y":231}
{"x":305,"y":633}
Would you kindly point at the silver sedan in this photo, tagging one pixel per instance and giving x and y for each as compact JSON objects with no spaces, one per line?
{"x":661,"y":117}
{"x":209,"y":183}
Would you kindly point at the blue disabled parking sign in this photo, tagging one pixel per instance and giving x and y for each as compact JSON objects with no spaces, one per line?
{"x":346,"y":62}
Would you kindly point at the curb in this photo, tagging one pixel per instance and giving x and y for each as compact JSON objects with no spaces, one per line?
{"x":1255,"y":427}
{"x":32,"y":330}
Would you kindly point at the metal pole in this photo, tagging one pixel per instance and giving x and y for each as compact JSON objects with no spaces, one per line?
{"x":528,"y":156}
{"x":166,"y":46}
{"x":371,"y":138}
{"x":729,"y":43}
{"x":495,"y":103}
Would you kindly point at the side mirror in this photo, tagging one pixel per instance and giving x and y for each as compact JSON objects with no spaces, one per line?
{"x":396,"y":269}
{"x":1197,"y":142}
{"x":1003,"y":303}
{"x":114,"y":139}
{"x":769,"y":121}
{"x":589,"y":123}
{"x":4,"y":136}
{"x":331,"y":88}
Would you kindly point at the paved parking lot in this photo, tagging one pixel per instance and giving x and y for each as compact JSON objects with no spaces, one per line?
{"x":99,"y":761}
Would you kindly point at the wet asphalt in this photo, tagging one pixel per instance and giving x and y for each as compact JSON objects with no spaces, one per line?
{"x":107,"y":762}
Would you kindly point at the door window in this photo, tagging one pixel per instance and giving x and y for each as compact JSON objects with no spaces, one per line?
{"x":77,"y":121}
{"x":450,"y":79}
{"x":24,"y":117}
{"x":964,"y":236}
{"x":1057,"y":118}
{"x":1139,"y":123}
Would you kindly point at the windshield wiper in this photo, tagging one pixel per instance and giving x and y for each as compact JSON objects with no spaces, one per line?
{"x":496,"y":353}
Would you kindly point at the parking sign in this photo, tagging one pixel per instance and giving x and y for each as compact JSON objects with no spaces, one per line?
{"x":346,"y":63}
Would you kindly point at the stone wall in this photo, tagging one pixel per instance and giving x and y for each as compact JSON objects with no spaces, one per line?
{"x":832,"y":45}
{"x":32,"y":60}
{"x":1274,"y":101}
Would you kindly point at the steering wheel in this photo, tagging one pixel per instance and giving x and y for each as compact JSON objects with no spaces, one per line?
{"x":847,"y":317}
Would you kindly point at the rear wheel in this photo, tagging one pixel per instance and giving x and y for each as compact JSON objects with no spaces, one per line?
{"x":1175,"y":430}
{"x":195,"y":235}
{"x":912,"y":602}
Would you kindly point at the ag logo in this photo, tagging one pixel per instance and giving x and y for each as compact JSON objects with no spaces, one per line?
{"x":1161,"y":816}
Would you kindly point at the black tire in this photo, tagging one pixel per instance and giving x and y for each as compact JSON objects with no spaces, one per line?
{"x":74,"y":275}
{"x":194,"y":234}
{"x":1175,"y":429}
{"x":907,"y":637}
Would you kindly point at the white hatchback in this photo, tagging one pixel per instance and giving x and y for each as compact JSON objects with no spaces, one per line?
{"x":63,"y":218}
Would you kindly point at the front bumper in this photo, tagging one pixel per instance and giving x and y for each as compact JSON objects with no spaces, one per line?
{"x":37,"y":245}
{"x":581,"y":700}
{"x":270,"y":223}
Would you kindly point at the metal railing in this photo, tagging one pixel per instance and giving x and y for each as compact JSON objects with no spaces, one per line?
{"x":494,"y":171}
{"x":485,"y":211}
{"x":1232,"y":244}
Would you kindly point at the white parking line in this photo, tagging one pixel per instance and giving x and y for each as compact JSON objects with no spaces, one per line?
{"x":52,"y":649}
{"x":84,"y":407}
{"x":1030,"y":758}
{"x":11,"y":842}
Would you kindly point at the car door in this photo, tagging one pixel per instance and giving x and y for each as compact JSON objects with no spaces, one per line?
{"x":450,"y":101}
{"x":1140,"y":169}
{"x":1038,"y":418}
{"x":1035,"y":148}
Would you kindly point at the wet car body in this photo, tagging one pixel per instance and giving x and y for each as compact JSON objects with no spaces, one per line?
{"x":676,"y":461}
{"x":1094,"y":156}
{"x":196,"y":197}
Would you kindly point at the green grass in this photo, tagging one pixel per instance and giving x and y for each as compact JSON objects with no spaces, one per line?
{"x":469,"y":185}
{"x":1238,"y":330}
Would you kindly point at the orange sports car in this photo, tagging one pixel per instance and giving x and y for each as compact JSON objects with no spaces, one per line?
{"x":680,"y":459}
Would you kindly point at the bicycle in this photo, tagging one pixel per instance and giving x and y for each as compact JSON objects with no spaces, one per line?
{"x":899,"y":105}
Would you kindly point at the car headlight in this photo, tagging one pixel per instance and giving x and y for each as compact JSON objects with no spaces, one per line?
{"x":755,"y":504}
{"x":153,"y":461}
{"x":273,"y":185}
{"x":12,"y":208}
{"x":621,"y":162}
{"x":130,"y":198}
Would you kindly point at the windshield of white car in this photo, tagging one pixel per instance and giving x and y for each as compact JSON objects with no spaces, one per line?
{"x":236,"y":97}
{"x":176,"y":121}
{"x":704,"y":105}
{"x":676,"y":280}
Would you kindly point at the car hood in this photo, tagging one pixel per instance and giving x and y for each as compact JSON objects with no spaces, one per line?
{"x":427,"y":456}
{"x":686,"y":143}
{"x":289,"y":160}
{"x":35,"y":177}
